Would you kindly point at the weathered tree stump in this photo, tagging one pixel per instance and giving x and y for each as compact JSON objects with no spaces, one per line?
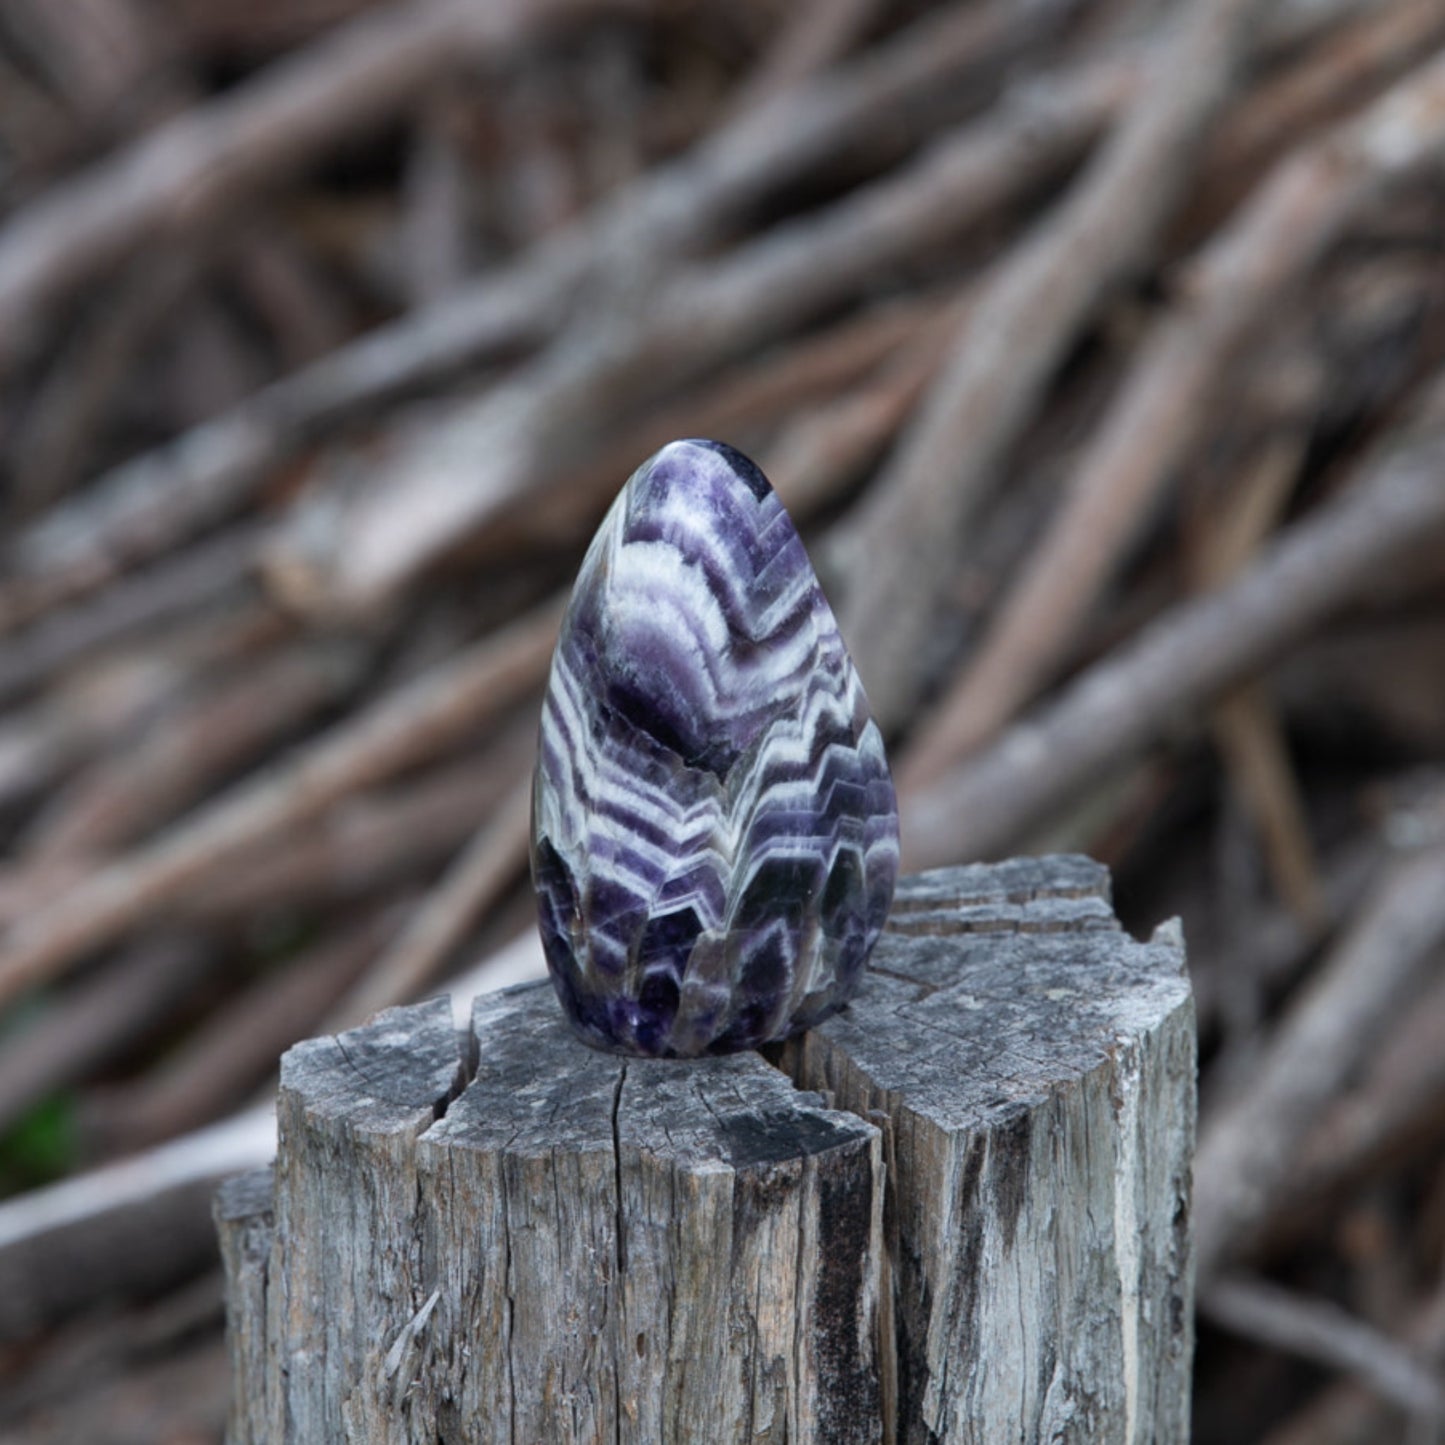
{"x":956,"y":1212}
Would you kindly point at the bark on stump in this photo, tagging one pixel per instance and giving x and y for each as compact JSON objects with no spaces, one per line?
{"x":959,"y":1211}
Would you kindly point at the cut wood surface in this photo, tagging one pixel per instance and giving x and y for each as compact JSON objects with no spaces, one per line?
{"x":957,"y":1212}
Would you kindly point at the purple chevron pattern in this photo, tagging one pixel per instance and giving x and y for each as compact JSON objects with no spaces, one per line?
{"x":714,"y":828}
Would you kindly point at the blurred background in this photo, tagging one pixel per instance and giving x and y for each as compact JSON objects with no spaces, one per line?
{"x":1098,"y":348}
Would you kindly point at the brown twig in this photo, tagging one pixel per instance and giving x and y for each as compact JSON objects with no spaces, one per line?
{"x":1346,"y":1414}
{"x":1317,"y":1330}
{"x":147,"y":505}
{"x":1186,"y":659}
{"x":810,"y":40}
{"x":127,"y":1228}
{"x":495,"y":856}
{"x":238,"y":1045}
{"x":181,"y":586}
{"x":52,"y":449}
{"x":400,"y":729}
{"x":85,"y":1029}
{"x":365,"y":844}
{"x":441,"y":483}
{"x":1244,"y":275}
{"x":434,"y":198}
{"x":1370,"y":50}
{"x":1247,"y":1150}
{"x":1397,"y":1109}
{"x":1030,"y":310}
{"x":199,"y":746}
{"x":204,"y":164}
{"x":1266,"y":945}
{"x":829,"y":447}
{"x":742,"y":401}
{"x":1246,"y":725}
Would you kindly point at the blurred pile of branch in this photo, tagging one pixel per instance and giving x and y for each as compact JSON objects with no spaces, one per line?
{"x":1097,"y":345}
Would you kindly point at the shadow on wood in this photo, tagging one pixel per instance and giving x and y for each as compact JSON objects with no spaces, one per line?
{"x":959,"y":1211}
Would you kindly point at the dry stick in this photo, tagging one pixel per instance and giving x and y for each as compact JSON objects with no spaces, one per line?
{"x":1346,"y":1414}
{"x":102,"y":56}
{"x":1250,"y":738}
{"x":45,"y":1233}
{"x":365,"y":844}
{"x":445,"y":481}
{"x":113,"y":1229}
{"x":84,"y":716}
{"x":1268,"y":944}
{"x":822,"y":364}
{"x":398,"y":730}
{"x":59,"y":428}
{"x":434,"y":197}
{"x":811,"y":39}
{"x":1398,"y":1108}
{"x":1186,"y":659}
{"x":234,"y":1049}
{"x":208,"y":162}
{"x":1247,"y":1150}
{"x":1246,"y":725}
{"x":156,"y":501}
{"x":302,"y":308}
{"x":1233,"y":293}
{"x":1030,"y":311}
{"x":1320,"y":1331}
{"x":124,"y":798}
{"x":265,"y":26}
{"x":1371,"y":51}
{"x":487,"y":866}
{"x":88,"y":1027}
{"x":182,"y":586}
{"x":832,"y":445}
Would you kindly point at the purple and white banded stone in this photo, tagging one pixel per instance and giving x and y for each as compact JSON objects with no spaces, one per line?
{"x":714,"y":827}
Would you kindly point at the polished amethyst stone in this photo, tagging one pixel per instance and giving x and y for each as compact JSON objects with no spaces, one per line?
{"x":714,"y":829}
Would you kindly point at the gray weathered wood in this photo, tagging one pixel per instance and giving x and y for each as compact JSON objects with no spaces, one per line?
{"x":514,"y":1238}
{"x":245,"y":1221}
{"x":1033,"y":1068}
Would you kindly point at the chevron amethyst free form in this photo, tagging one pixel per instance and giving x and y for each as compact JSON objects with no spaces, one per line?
{"x":714,"y":829}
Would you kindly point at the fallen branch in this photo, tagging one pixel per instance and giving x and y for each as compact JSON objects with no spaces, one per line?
{"x":1247,"y":1150}
{"x":150,"y":504}
{"x":1398,"y":1108}
{"x":200,"y":577}
{"x":199,"y":746}
{"x":1029,"y":312}
{"x":1347,"y":1414}
{"x":193,"y":171}
{"x":493,"y":859}
{"x":1188,"y":658}
{"x":1371,"y":50}
{"x":364,"y":845}
{"x":127,"y":1228}
{"x":133,"y":1226}
{"x":84,"y":1029}
{"x":350,"y":549}
{"x":742,"y":399}
{"x":231,"y":1054}
{"x":401,"y":729}
{"x":1316,"y":1330}
{"x":1235,"y":290}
